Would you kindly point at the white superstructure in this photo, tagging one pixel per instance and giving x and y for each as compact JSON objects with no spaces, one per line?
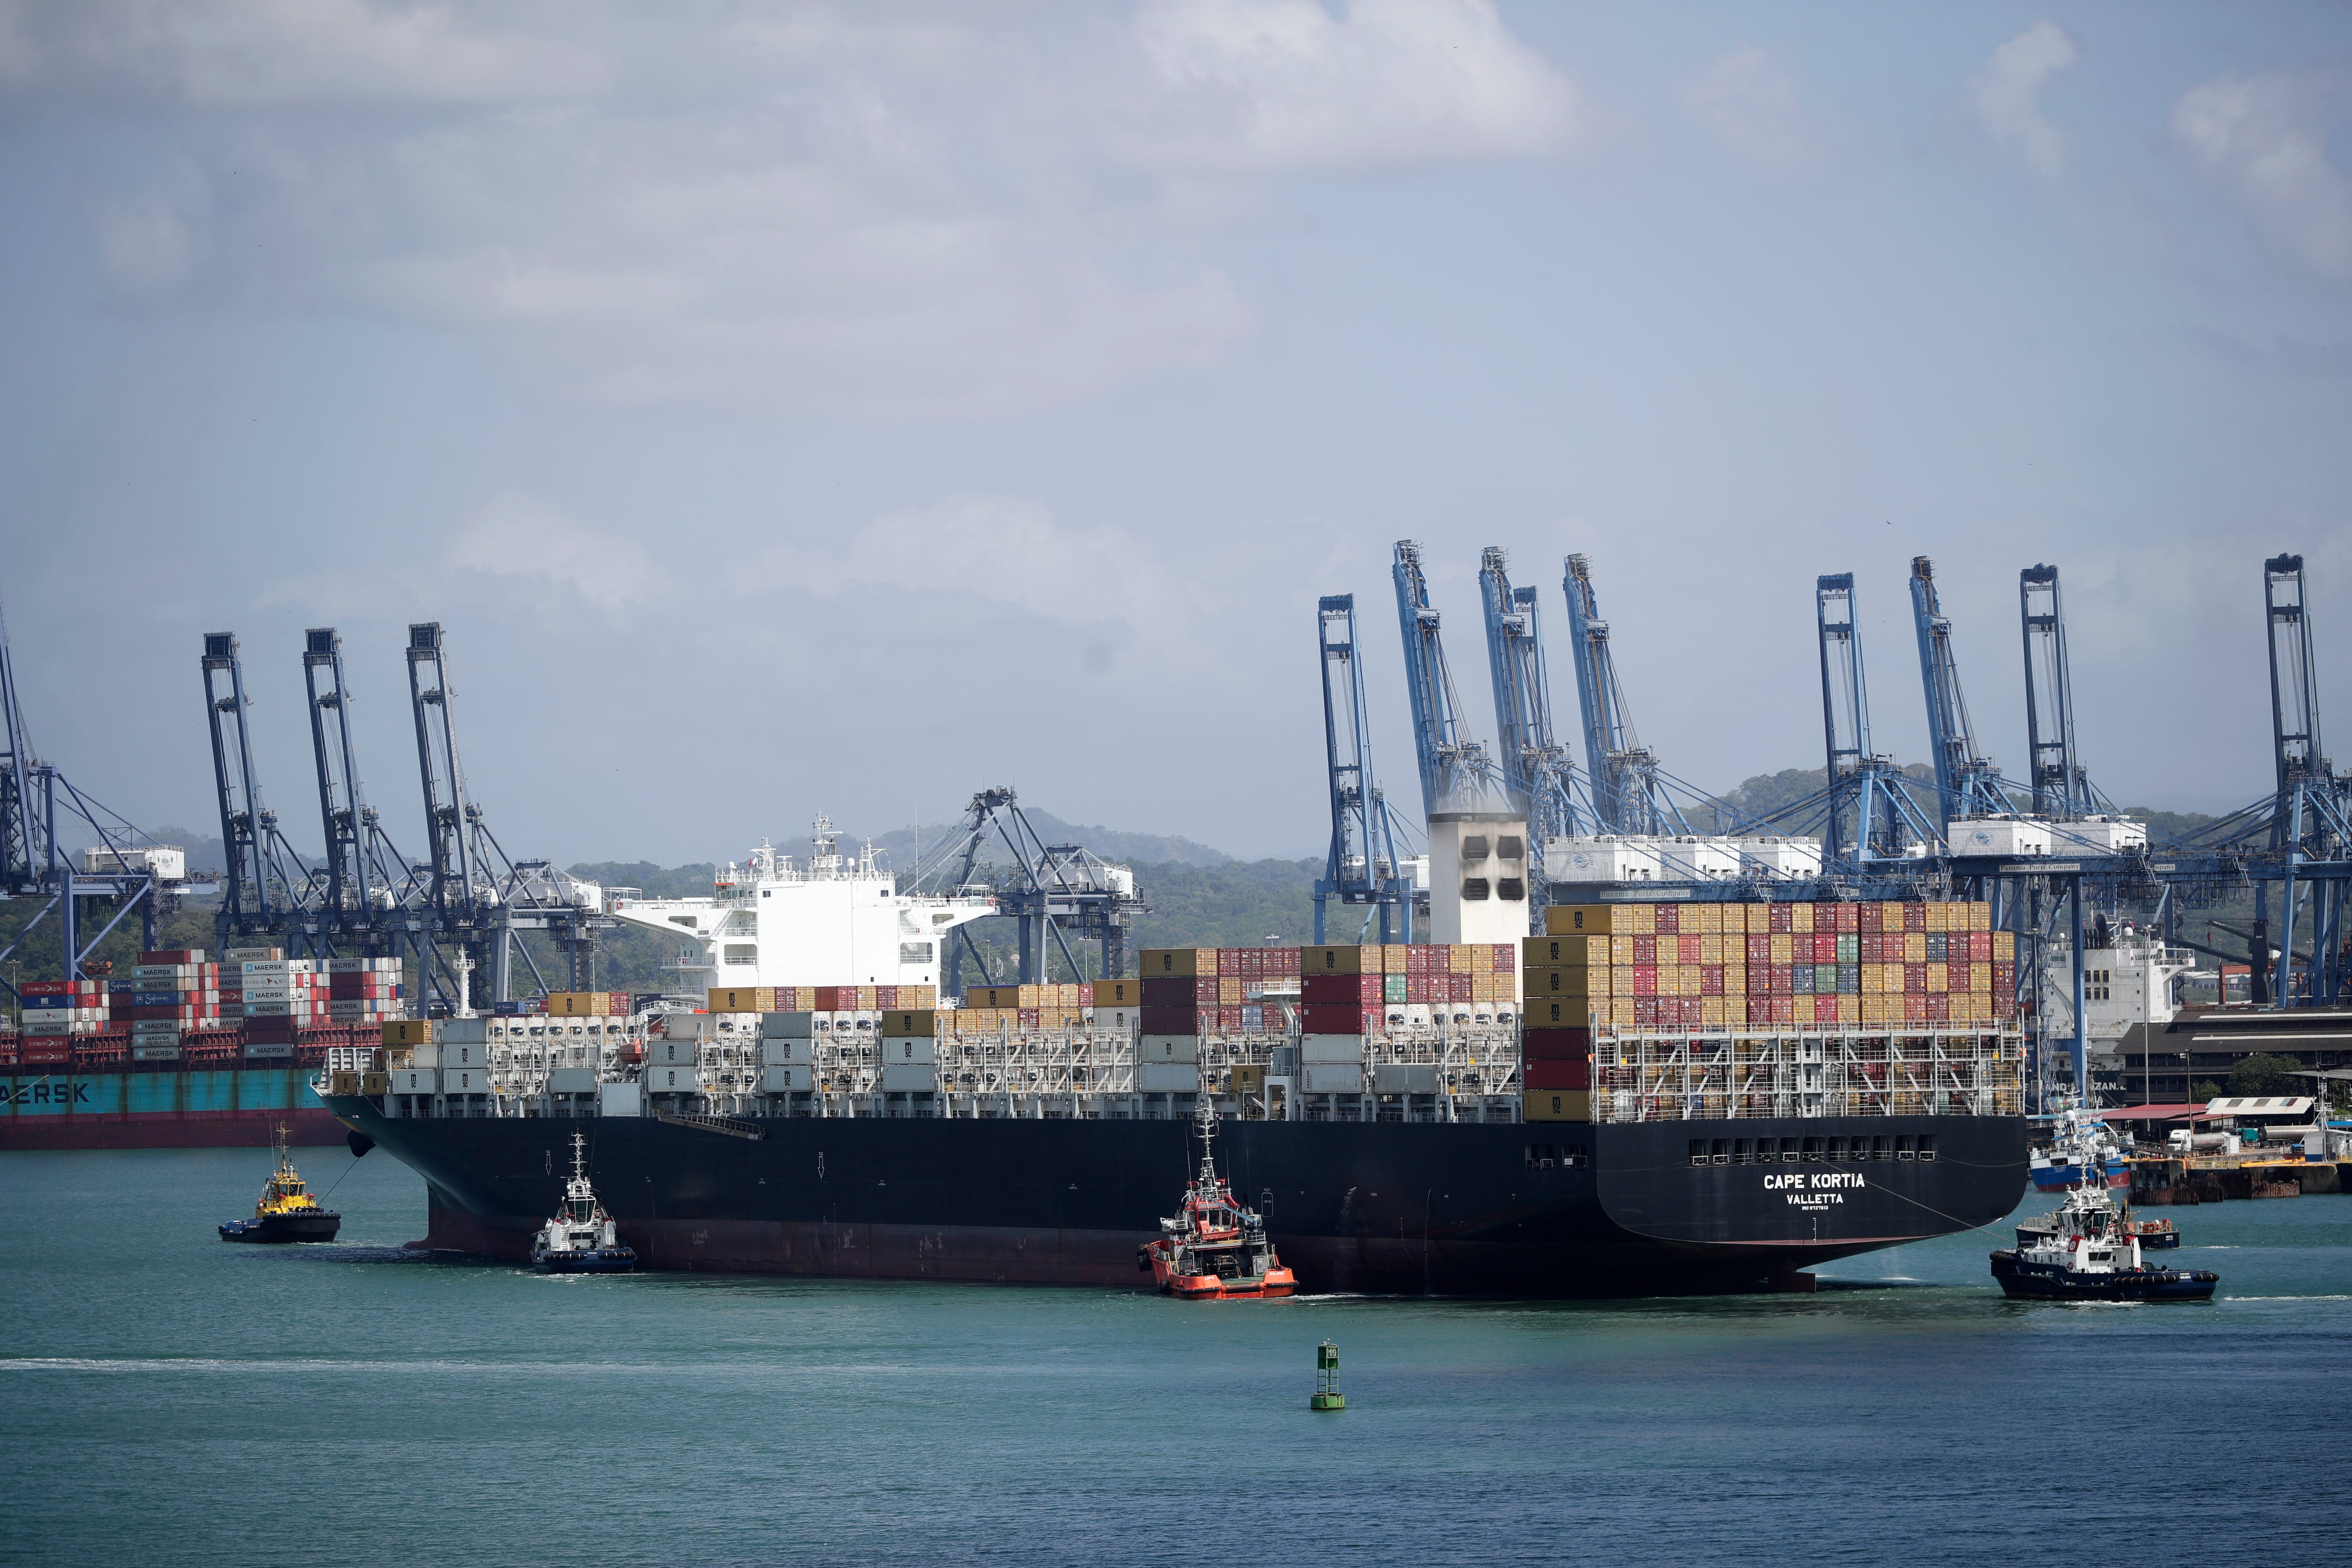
{"x":2127,"y":983}
{"x":838,"y":920}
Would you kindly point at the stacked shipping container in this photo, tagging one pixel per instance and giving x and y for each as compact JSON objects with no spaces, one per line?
{"x":1738,"y":966}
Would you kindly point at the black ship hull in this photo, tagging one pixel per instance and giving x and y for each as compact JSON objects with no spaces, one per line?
{"x":1383,"y":1207}
{"x":277,"y":1228}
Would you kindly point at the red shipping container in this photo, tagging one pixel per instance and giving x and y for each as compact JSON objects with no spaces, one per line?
{"x":1760,"y":948}
{"x":1914,"y":979}
{"x":1777,"y":919}
{"x":1780,"y":979}
{"x":1252,"y":963}
{"x":1337,"y":990}
{"x":2004,"y":1004}
{"x":1645,"y":950}
{"x":1556,"y":1044}
{"x":1915,"y":916}
{"x":1710,"y":979}
{"x":1172,"y":1020}
{"x":1507,"y":958}
{"x":1183,"y":989}
{"x":163,"y":955}
{"x":1844,"y":918}
{"x":1645,"y":980}
{"x":1329,"y":1020}
{"x":1784,"y":1009}
{"x":42,"y":1050}
{"x":1645,"y":1011}
{"x":1555,"y":1075}
{"x":47,"y":988}
{"x":1940,"y":1008}
{"x":1457,"y":988}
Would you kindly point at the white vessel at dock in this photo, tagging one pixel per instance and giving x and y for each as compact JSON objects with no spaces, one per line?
{"x":839,"y":920}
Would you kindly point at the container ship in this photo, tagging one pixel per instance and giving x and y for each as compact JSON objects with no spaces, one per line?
{"x":193,"y":1051}
{"x":1648,"y":1099}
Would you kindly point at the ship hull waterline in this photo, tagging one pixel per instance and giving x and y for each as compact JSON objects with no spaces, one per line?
{"x":1376,"y":1208}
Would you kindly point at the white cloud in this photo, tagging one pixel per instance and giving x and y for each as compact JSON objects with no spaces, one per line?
{"x":252,"y":52}
{"x":1753,"y":107}
{"x":521,"y":536}
{"x":2005,"y":91}
{"x":144,"y":243}
{"x":1009,"y":550}
{"x":2261,"y":136}
{"x":811,"y":209}
{"x":1283,"y":84}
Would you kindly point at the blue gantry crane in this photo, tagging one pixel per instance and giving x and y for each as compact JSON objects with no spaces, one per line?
{"x":1538,"y":773}
{"x":2311,"y":808}
{"x":126,"y":867}
{"x":1628,"y":795}
{"x":1872,"y":815}
{"x":1362,"y":866}
{"x":1966,"y":781}
{"x":1456,"y":772}
{"x":266,"y":885}
{"x":2062,"y":785}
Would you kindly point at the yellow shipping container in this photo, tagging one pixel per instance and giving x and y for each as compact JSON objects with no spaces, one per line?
{"x":1980,"y":979}
{"x":916,"y":1023}
{"x":2004,"y":946}
{"x":908,"y":995}
{"x":1735,"y":978}
{"x":1482,"y":958}
{"x":1621,"y":1012}
{"x":1199,"y":963}
{"x":1229,"y":991}
{"x":1979,"y":916}
{"x":1621,"y":979}
{"x":1801,"y":919}
{"x":1396,"y":958}
{"x":743,"y":999}
{"x":1939,"y":978}
{"x":1587,"y":983}
{"x":1711,"y":1013}
{"x":1319,"y":960}
{"x":408,"y":1032}
{"x":1559,"y":1105}
{"x":1614,"y":920}
{"x":1914,"y":947}
{"x":1562,"y":1012}
{"x":1710,"y":919}
{"x":578,"y":1004}
{"x":1784,"y":948}
{"x":1458,"y":959}
{"x":1118,"y":993}
{"x":992,"y":998}
{"x":1542,"y":952}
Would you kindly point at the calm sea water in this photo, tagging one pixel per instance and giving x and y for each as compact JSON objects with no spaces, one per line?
{"x":165,"y":1398}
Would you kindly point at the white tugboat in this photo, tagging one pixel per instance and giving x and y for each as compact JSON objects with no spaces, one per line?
{"x":582,"y":1237}
{"x":2090,"y":1249}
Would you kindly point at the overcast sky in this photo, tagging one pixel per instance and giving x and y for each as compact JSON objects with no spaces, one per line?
{"x":799,"y":408}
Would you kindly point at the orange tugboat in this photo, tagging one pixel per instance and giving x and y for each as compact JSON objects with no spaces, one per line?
{"x":1215,"y":1246}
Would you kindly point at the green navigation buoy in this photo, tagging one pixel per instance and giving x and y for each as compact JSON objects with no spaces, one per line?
{"x":1327,"y":1378}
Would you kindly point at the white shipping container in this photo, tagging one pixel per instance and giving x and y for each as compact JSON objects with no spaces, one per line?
{"x":787,"y":1026}
{"x":155,"y":1050}
{"x":571,"y":1080}
{"x":620,"y":1099}
{"x":2000,"y":836}
{"x":1404,"y":1077}
{"x":670,"y":1053}
{"x":1607,"y":859}
{"x":782,"y":1077}
{"x":904,"y":1049}
{"x":901,"y":1078}
{"x":415,"y":1081}
{"x":461,"y":1030}
{"x":1166,"y":1048}
{"x":1333,"y":1049}
{"x":786,"y":1051}
{"x":1166,"y":1077}
{"x":671,"y":1080}
{"x":1111,"y":1020}
{"x":2098,"y":835}
{"x":465,"y":1080}
{"x":48,"y":1021}
{"x":1331,"y":1078}
{"x":351,"y":965}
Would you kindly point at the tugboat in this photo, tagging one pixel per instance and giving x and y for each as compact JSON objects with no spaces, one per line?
{"x":287,"y":1210}
{"x":2090,"y":1251}
{"x":582,"y":1237}
{"x":1215,"y":1246}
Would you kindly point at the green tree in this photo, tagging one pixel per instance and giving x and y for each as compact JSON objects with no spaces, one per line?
{"x":2264,"y":1075}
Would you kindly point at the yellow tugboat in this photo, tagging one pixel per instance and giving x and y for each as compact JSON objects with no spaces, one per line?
{"x":287,"y":1210}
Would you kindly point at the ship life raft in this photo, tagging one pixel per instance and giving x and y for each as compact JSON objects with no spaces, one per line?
{"x":1215,"y":1246}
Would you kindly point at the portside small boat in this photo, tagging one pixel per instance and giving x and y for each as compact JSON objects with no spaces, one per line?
{"x":2081,"y":1152}
{"x":581,"y":1239}
{"x":1215,"y":1246}
{"x":2090,"y":1251}
{"x":287,"y":1210}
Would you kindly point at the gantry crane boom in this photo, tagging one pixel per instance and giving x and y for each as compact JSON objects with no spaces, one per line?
{"x":1537,"y":771}
{"x":2063,"y":790}
{"x":1362,"y":867}
{"x":1967,"y":783}
{"x":349,"y":904}
{"x":1628,"y":795}
{"x":1863,"y":785}
{"x":1456,"y":773}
